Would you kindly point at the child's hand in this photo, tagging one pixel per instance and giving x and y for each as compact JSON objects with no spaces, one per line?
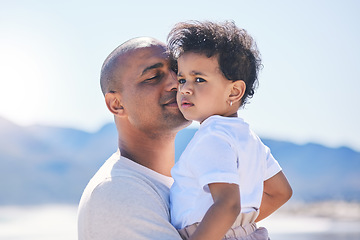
{"x":222,"y":214}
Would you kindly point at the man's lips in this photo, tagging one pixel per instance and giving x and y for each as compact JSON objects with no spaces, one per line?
{"x":171,"y":103}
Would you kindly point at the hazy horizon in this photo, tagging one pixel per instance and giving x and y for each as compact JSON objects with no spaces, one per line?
{"x":194,"y":126}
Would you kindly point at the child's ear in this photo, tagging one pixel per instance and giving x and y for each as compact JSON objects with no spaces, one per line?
{"x":113,"y":103}
{"x":237,"y":91}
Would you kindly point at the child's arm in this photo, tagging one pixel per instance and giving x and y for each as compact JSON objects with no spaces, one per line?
{"x":222,"y":214}
{"x":277,"y":191}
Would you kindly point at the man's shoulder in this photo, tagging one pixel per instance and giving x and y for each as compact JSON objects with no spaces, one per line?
{"x":121,"y":178}
{"x":125,"y":204}
{"x":118,"y":179}
{"x":120,"y":192}
{"x":123,"y":188}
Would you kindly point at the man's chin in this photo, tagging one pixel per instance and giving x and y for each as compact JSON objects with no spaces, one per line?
{"x":177,"y":121}
{"x":183,"y":125}
{"x":184,"y":122}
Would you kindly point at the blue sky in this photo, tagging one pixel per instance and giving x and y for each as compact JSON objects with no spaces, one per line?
{"x":51,"y":53}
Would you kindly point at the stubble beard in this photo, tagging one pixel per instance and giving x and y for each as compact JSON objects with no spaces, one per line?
{"x":174,"y":121}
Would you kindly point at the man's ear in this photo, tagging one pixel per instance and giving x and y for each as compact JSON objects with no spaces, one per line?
{"x":113,"y":103}
{"x":237,"y":91}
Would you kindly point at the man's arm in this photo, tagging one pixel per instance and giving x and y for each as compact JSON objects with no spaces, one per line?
{"x":277,"y":191}
{"x":222,"y":214}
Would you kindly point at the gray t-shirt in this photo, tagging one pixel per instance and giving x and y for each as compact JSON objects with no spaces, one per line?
{"x":125,"y":200}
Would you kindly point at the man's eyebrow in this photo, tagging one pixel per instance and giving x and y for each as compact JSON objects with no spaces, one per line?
{"x":157,"y":65}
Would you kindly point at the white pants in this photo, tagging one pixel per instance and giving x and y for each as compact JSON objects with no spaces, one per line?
{"x":244,"y":228}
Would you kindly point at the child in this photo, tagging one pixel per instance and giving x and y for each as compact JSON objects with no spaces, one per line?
{"x":226,"y":175}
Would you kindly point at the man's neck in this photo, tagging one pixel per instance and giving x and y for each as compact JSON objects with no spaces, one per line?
{"x":156,"y":153}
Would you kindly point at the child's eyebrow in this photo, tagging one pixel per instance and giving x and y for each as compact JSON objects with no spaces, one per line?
{"x":193,"y":73}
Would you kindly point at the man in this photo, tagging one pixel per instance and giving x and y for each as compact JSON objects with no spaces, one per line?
{"x":128,"y":198}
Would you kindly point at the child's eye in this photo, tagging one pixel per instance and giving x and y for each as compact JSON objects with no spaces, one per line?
{"x":200,"y":80}
{"x":182,"y":81}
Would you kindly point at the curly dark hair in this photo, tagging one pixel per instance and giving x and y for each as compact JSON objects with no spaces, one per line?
{"x":238,"y":56}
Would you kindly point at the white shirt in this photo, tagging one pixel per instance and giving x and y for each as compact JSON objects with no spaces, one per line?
{"x":125,"y":200}
{"x":225,"y":150}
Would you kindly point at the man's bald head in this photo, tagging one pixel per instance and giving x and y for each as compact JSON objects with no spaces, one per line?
{"x":115,"y":63}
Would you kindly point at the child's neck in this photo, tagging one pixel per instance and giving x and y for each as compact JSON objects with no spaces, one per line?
{"x":231,"y":115}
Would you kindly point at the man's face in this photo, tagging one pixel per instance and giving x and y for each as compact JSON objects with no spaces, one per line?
{"x":149,"y":89}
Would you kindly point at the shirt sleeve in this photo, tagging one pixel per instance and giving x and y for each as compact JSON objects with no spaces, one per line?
{"x":214,"y":161}
{"x":127,"y":208}
{"x":272,"y":166}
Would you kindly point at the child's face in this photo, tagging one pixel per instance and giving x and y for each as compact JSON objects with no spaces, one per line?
{"x":203,"y":90}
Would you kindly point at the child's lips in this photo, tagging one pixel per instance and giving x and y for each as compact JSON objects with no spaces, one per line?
{"x":186,"y":104}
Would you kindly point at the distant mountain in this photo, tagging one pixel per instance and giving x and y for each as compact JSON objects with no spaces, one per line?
{"x":48,"y":164}
{"x":42,"y":164}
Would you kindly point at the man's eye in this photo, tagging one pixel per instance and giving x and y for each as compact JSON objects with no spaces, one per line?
{"x":149,"y":79}
{"x":154,"y":78}
{"x":182,"y":81}
{"x":200,"y":80}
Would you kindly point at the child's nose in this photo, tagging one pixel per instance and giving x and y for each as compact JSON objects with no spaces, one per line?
{"x":186,"y":88}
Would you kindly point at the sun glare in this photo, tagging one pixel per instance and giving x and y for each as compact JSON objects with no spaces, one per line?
{"x":22,"y":91}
